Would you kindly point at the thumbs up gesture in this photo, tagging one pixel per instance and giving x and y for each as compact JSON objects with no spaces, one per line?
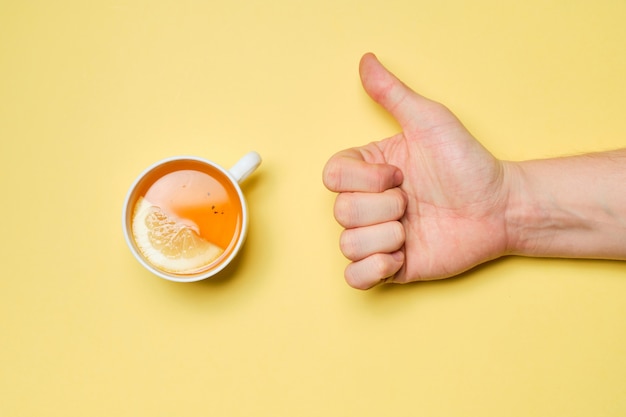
{"x":427,"y":203}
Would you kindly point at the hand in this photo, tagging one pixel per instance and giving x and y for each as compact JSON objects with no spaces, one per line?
{"x":427,"y":203}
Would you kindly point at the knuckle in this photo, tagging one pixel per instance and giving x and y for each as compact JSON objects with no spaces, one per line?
{"x":403,"y":201}
{"x":381,"y":177}
{"x":384,"y":265}
{"x":398,"y":233}
{"x":379,"y":266}
{"x":349,"y":245}
{"x":344,"y":210}
{"x":399,"y":202}
{"x":355,"y":278}
{"x":331,"y":175}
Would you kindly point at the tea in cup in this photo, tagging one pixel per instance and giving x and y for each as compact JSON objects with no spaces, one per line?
{"x":185,"y":218}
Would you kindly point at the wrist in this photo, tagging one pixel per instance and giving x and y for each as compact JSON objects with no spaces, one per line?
{"x":527,"y":220}
{"x":557,"y":208}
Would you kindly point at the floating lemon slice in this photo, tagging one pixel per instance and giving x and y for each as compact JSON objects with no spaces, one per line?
{"x":168,"y":244}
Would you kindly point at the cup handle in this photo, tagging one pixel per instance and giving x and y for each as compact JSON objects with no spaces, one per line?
{"x":245,"y":166}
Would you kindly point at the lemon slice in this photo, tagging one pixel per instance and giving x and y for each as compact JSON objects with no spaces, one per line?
{"x":170,"y":245}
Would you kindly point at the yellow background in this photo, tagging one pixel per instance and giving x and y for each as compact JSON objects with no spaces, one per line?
{"x":92,"y":92}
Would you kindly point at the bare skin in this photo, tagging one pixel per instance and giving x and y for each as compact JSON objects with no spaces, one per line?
{"x":432,"y":202}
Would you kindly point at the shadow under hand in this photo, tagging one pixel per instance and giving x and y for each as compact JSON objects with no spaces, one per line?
{"x":419,"y":289}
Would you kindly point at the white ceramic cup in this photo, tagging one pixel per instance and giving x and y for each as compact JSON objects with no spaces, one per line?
{"x":234,"y":176}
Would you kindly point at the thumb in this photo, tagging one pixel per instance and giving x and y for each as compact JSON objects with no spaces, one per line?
{"x":404,"y":104}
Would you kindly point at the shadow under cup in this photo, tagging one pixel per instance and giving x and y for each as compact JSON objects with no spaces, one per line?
{"x":197,"y":190}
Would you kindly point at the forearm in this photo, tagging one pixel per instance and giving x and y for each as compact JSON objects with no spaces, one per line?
{"x":571,"y":207}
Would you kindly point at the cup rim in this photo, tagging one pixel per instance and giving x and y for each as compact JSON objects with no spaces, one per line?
{"x":127,"y":221}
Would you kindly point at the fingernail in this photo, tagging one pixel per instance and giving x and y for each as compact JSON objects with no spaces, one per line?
{"x":398,"y":256}
{"x":398,"y":177}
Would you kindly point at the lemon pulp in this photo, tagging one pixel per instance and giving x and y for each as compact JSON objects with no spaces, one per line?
{"x":168,"y":243}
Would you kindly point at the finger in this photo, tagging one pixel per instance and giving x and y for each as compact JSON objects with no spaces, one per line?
{"x":404,"y":104}
{"x":365,"y":209}
{"x":348,"y":171}
{"x":359,"y":243}
{"x":370,"y":271}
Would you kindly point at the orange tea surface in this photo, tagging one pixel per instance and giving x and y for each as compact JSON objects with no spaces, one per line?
{"x":208,"y":206}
